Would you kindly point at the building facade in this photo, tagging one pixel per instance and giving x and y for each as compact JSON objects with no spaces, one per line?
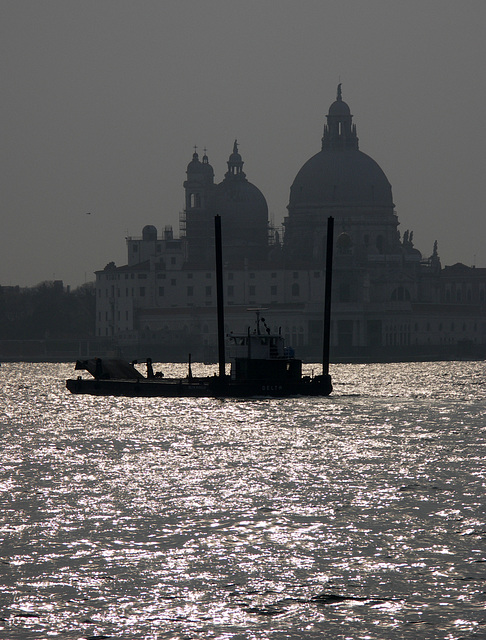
{"x":389,"y":302}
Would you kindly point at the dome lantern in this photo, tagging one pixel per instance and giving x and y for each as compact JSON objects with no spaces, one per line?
{"x":339,"y":132}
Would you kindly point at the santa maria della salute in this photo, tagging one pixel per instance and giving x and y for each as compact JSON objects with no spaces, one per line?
{"x":389,"y":300}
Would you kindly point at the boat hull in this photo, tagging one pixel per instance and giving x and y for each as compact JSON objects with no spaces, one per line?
{"x":200,"y":388}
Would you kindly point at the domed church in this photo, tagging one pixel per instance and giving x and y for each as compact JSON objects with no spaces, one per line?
{"x":388,"y":303}
{"x":343,"y":182}
{"x":241,"y":205}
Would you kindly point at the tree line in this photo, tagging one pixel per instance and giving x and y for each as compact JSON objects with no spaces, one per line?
{"x":47,"y":311}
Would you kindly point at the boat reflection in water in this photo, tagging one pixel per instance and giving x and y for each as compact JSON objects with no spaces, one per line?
{"x":261,"y":364}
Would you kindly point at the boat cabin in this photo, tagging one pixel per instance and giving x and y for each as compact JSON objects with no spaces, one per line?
{"x":257,"y":356}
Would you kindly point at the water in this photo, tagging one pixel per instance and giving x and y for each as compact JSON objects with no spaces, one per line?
{"x":357,"y":516}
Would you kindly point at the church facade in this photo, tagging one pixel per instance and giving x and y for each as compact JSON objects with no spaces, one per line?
{"x":389,"y":302}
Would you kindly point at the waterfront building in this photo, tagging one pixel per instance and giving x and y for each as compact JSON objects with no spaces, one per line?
{"x":389,"y":301}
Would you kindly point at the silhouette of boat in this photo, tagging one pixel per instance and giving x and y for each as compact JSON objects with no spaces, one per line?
{"x":261,"y":364}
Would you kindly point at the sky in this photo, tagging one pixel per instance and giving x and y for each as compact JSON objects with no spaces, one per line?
{"x":104,"y":100}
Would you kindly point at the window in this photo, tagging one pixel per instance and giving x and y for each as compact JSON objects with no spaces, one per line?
{"x":274,"y":275}
{"x":231,"y":290}
{"x":251,"y":290}
{"x":231,"y":276}
{"x":135,"y":248}
{"x":161,"y":291}
{"x":189,"y":276}
{"x":273,"y":290}
{"x":252,"y":276}
{"x":208,"y":275}
{"x":208,"y":291}
{"x":295,"y":289}
{"x":295,"y":274}
{"x":173,"y":282}
{"x":344,"y":292}
{"x":142,"y":291}
{"x":317,"y":274}
{"x":173,"y":260}
{"x":142,"y":276}
{"x":190,"y":291}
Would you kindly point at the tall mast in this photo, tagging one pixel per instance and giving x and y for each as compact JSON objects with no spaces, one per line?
{"x":327,"y":297}
{"x":219,"y":294}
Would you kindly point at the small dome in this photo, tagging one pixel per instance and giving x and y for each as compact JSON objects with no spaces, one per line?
{"x":149,"y":232}
{"x":339,"y":108}
{"x":205,"y":166}
{"x":195,"y":164}
{"x":235,"y":157}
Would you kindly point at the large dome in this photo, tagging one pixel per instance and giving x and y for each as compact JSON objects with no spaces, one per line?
{"x":341,"y":177}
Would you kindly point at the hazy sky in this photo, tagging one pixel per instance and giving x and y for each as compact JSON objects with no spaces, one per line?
{"x":103,"y":101}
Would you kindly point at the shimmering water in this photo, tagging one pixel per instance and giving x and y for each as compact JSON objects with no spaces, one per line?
{"x":359,"y":516}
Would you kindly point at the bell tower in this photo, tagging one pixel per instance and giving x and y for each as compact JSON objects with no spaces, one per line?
{"x":196,"y":218}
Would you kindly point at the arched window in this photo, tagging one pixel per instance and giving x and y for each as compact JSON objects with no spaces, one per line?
{"x":195,"y":200}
